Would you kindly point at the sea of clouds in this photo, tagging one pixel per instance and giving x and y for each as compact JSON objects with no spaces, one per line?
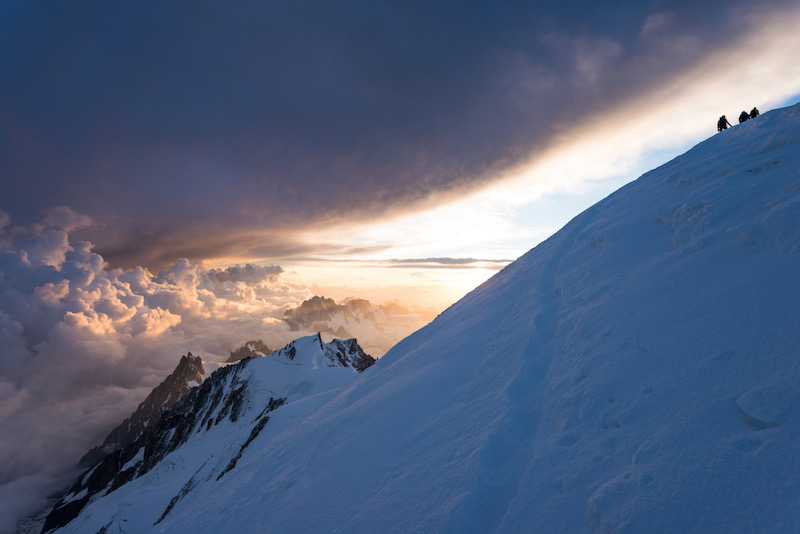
{"x":82,"y":344}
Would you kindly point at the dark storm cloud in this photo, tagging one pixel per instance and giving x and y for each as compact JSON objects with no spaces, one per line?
{"x":188,"y":127}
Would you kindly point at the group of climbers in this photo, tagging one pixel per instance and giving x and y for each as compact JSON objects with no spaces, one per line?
{"x":722,"y":123}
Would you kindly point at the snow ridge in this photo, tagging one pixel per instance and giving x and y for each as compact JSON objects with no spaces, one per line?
{"x":337,"y":353}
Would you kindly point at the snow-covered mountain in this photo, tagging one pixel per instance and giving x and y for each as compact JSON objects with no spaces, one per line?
{"x":378,"y":327}
{"x":204,"y":435}
{"x":188,"y":374}
{"x":637,"y":372}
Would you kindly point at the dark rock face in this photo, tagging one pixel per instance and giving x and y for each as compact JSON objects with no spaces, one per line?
{"x":316,"y":313}
{"x":61,"y":516}
{"x":251,"y":349}
{"x":186,"y":375}
{"x":312,"y":314}
{"x":124,"y":442}
{"x":272,"y":405}
{"x":340,"y":353}
{"x":349,"y":354}
{"x":263,"y":418}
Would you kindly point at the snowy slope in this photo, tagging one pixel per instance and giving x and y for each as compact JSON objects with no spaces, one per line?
{"x":202,"y":439}
{"x":637,"y":372}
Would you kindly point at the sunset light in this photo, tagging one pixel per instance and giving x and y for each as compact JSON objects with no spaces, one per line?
{"x":223,"y":178}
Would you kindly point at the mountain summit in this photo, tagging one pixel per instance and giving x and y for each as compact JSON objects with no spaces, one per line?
{"x":380,"y":327}
{"x":636,"y":372}
{"x":187,"y":374}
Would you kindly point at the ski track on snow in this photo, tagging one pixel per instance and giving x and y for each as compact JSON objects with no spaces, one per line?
{"x":507,"y":453}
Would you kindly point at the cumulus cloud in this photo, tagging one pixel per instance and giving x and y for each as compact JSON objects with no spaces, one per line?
{"x":66,"y":219}
{"x":190,"y":129}
{"x":249,"y":273}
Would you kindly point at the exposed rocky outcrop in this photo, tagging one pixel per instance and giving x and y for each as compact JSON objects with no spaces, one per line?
{"x":251,"y":349}
{"x":378,"y":327}
{"x":221,"y":396}
{"x":338,"y":353}
{"x":313,"y":314}
{"x":188,"y":374}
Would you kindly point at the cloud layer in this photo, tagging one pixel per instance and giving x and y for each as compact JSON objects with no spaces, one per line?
{"x":188,"y":128}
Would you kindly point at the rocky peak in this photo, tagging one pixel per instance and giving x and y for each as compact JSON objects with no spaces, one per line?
{"x":251,"y":349}
{"x":222,"y":397}
{"x":317,"y":354}
{"x":317,"y":303}
{"x":348,"y":353}
{"x":187,"y":374}
{"x":312,"y":312}
{"x":358,"y":306}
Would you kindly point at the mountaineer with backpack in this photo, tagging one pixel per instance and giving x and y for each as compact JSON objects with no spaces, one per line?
{"x":722,"y":124}
{"x":743,"y":117}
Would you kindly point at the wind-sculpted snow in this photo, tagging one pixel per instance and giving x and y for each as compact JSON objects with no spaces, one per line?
{"x":635,"y":373}
{"x":209,"y":429}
